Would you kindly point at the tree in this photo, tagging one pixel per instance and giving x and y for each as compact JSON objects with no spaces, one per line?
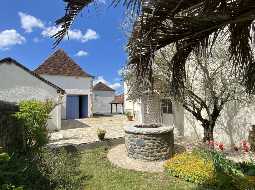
{"x":187,"y":23}
{"x":210,"y":84}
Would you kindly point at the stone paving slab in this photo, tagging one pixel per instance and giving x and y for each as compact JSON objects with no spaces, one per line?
{"x":118,"y":157}
{"x":84,"y":131}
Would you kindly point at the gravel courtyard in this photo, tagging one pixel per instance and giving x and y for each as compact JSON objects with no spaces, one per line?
{"x":81,"y":131}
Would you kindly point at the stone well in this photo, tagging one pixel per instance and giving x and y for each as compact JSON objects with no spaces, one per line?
{"x":149,"y":142}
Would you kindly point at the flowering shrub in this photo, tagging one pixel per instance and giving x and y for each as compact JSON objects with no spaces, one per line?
{"x":191,"y":167}
{"x":217,"y":145}
{"x":210,"y":167}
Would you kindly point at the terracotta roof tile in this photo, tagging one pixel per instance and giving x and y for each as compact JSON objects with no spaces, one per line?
{"x":118,"y":99}
{"x":102,"y":87}
{"x":59,"y":63}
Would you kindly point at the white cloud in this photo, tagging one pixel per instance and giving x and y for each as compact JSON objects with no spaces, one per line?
{"x":74,"y":34}
{"x":115,"y":85}
{"x":9,"y":38}
{"x":81,"y":53}
{"x":50,"y":31}
{"x":28,"y":22}
{"x":90,"y":35}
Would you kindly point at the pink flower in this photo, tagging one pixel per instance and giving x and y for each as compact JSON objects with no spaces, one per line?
{"x":221,"y":146}
{"x":244,"y":143}
{"x":245,"y":146}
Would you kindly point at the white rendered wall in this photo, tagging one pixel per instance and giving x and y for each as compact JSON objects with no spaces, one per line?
{"x":132,"y":106}
{"x":73,"y":86}
{"x":101,"y":102}
{"x":139,"y":109}
{"x":17,"y":85}
{"x":239,"y":130}
{"x":128,"y":104}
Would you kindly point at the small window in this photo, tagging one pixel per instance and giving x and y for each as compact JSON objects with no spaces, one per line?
{"x":166,"y":106}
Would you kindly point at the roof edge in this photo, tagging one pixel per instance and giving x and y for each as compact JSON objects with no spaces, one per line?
{"x":109,"y":89}
{"x":11,"y":60}
{"x":40,"y":71}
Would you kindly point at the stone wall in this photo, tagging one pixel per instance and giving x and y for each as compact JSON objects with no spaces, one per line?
{"x":151,"y":144}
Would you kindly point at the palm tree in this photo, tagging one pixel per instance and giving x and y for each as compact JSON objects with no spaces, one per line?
{"x":190,"y":24}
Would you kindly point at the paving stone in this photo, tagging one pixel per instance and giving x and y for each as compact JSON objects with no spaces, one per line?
{"x":83,"y":131}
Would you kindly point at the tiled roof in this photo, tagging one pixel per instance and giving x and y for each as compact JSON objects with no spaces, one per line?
{"x":12,"y":61}
{"x":59,"y":63}
{"x":102,"y":87}
{"x":118,"y":99}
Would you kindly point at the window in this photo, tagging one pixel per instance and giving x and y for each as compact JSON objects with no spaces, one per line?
{"x":166,"y":106}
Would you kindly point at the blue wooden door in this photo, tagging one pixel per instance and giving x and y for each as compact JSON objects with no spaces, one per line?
{"x":72,"y":107}
{"x":84,"y":106}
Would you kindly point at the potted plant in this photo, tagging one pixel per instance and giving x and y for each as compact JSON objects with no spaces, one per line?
{"x":101,"y":134}
{"x":129,"y":116}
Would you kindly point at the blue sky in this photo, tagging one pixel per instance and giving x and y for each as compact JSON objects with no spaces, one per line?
{"x":96,"y":42}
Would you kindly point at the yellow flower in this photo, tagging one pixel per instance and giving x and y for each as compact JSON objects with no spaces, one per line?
{"x":191,"y":167}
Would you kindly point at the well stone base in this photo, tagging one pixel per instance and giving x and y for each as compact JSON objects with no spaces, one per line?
{"x":151,"y":144}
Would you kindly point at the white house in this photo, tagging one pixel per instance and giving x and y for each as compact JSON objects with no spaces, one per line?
{"x":103,"y":95}
{"x":18,"y":83}
{"x":153,"y":108}
{"x":61,"y":70}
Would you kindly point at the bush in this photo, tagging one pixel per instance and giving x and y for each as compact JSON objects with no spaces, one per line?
{"x":4,"y":159}
{"x":35,"y":167}
{"x":61,"y":169}
{"x":208,"y":167}
{"x":34,"y":116}
{"x":11,"y":129}
{"x":191,"y":167}
{"x":221,"y":163}
{"x":47,"y":171}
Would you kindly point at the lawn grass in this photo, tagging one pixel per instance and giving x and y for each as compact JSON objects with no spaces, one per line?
{"x":102,"y":175}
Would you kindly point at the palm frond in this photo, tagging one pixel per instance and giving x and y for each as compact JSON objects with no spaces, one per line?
{"x":192,"y":23}
{"x":74,"y":7}
{"x":187,"y":23}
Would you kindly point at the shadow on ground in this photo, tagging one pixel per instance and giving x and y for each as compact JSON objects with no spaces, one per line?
{"x":73,"y":124}
{"x":178,"y":149}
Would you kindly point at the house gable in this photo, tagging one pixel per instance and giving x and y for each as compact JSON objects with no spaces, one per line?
{"x":102,"y":87}
{"x":10,"y":61}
